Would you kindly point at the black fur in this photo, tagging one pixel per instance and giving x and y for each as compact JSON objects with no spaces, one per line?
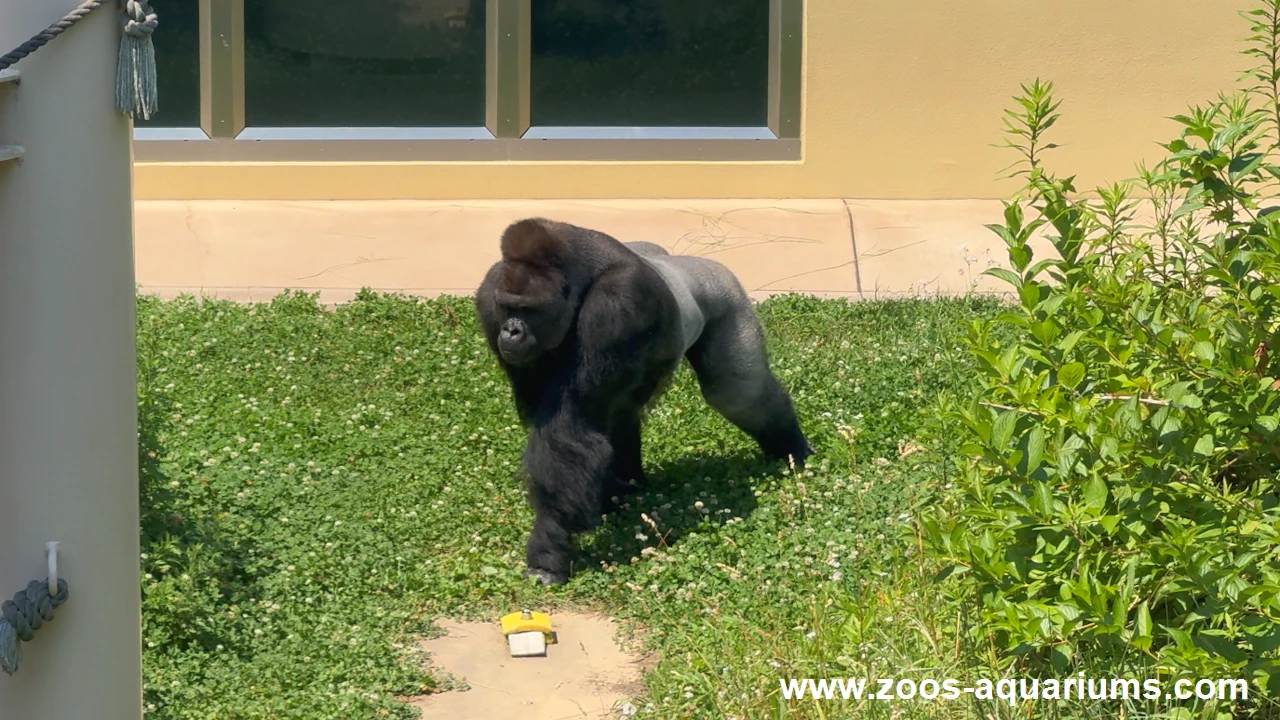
{"x":587,"y":332}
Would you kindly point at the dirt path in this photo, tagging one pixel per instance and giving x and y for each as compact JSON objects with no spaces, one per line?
{"x":585,"y":674}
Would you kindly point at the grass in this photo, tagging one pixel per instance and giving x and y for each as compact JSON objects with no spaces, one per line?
{"x":319,"y":486}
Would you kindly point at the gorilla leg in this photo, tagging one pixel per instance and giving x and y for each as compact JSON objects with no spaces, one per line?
{"x":625,"y":439}
{"x":733,"y":370}
{"x":627,"y":476}
{"x":568,"y":464}
{"x":550,"y":551}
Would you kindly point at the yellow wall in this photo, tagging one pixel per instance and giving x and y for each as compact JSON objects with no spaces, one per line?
{"x":902,"y":100}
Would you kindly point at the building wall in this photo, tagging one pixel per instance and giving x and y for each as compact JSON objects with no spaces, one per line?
{"x":900,"y":101}
{"x":68,"y":437}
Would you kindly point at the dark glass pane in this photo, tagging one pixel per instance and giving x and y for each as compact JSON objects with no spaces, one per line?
{"x":650,"y":62}
{"x":177,"y":44}
{"x":376,"y":63}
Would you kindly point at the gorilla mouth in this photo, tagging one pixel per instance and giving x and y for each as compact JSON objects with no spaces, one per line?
{"x":516,"y":356}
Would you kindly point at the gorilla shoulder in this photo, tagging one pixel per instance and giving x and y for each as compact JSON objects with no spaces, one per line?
{"x":675,"y":271}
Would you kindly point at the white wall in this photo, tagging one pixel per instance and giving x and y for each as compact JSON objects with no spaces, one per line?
{"x":68,"y":435}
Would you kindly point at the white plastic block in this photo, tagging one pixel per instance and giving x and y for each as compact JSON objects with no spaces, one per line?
{"x":527,"y":644}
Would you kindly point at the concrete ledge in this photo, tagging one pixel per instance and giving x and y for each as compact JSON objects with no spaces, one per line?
{"x":252,"y":251}
{"x":341,"y":296}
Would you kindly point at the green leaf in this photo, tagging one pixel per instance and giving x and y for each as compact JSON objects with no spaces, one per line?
{"x":1035,"y":448}
{"x":1039,"y":267}
{"x":1004,"y":274}
{"x":1004,"y":234}
{"x":1130,"y":415}
{"x":1268,"y":423}
{"x":1204,"y":446}
{"x":1176,"y":392}
{"x":1119,"y":610}
{"x":1007,"y":360}
{"x":1235,"y":331}
{"x":1095,"y":492}
{"x":1188,"y":207}
{"x":1019,"y":256}
{"x":1042,"y":501}
{"x":1069,"y":342}
{"x":1204,"y":349}
{"x":1220,"y":646}
{"x":1109,"y":449}
{"x":1267,"y":642}
{"x":1061,"y":656}
{"x":1071,"y":375}
{"x":1002,"y":429}
{"x":1245,"y":165}
{"x":1142,"y":628}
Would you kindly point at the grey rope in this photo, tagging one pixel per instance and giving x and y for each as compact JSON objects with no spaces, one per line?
{"x":49,"y":33}
{"x":22,"y":616}
{"x":136,"y":64}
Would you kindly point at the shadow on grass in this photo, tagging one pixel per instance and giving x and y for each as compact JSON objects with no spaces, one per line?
{"x":176,"y":538}
{"x":725,"y":485}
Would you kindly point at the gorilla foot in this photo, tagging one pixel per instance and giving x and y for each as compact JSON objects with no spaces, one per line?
{"x":546,"y":577}
{"x":794,"y":448}
{"x":616,"y":490}
{"x":624,"y":487}
{"x":800,"y":455}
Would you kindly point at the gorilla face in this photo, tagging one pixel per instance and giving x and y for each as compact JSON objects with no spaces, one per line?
{"x":516,"y":342}
{"x":536,"y":319}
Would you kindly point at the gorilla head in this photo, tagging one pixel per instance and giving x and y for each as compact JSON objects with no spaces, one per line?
{"x":587,"y":330}
{"x":532,"y":297}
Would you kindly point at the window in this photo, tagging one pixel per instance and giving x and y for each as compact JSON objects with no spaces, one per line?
{"x":650,"y":63}
{"x":377,"y":63}
{"x":469,"y":80}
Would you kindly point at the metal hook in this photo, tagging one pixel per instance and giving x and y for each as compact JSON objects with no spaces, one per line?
{"x":52,"y":549}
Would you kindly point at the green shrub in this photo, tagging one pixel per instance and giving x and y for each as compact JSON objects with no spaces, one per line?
{"x":1118,"y":504}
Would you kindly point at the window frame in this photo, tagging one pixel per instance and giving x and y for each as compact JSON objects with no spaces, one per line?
{"x":506,"y":134}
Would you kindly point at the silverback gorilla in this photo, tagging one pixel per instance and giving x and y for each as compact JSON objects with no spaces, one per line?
{"x":588,"y":330}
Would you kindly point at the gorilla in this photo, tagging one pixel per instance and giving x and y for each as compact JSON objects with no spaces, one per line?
{"x":588,"y":331}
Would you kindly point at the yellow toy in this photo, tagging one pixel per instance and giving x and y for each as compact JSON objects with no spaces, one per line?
{"x":528,"y":633}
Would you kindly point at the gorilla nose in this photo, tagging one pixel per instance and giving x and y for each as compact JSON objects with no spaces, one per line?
{"x":513,"y":331}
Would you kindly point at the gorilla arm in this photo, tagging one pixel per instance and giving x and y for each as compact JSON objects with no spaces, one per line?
{"x":569,"y":454}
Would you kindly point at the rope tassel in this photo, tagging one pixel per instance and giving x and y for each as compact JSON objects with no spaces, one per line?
{"x":136,"y":94}
{"x":22,"y":616}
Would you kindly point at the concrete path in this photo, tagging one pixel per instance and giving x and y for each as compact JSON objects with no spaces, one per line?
{"x":252,"y":250}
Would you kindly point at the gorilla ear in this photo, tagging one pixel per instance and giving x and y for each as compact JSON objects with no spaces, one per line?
{"x":531,"y":242}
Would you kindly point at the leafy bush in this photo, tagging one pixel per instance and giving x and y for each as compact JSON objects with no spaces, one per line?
{"x":1118,"y":506}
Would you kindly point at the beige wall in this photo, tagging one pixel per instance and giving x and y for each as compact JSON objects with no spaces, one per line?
{"x":68,"y":438}
{"x":902,"y":100}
